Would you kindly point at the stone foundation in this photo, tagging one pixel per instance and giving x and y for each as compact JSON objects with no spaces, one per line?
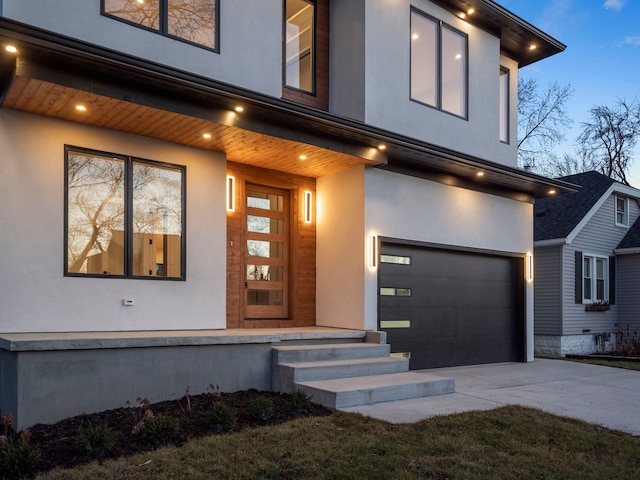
{"x":586,"y":344}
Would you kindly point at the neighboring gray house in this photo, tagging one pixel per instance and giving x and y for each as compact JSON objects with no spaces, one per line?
{"x":587,"y":267}
{"x":188,"y":184}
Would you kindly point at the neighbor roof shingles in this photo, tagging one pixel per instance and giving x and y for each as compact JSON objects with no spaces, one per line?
{"x":556,"y":217}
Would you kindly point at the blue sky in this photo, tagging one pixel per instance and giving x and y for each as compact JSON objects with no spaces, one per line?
{"x":602,"y":59}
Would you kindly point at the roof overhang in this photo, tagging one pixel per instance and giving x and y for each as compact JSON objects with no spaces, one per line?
{"x":50,"y":73}
{"x":518,"y":39}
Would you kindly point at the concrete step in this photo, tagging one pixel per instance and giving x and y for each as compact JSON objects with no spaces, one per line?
{"x":341,"y":351}
{"x":291,"y":374}
{"x":348,"y":392}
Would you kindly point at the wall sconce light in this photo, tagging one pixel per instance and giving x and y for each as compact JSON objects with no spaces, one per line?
{"x":373,"y":251}
{"x":231,"y":193}
{"x":308,"y":206}
{"x":529,"y":267}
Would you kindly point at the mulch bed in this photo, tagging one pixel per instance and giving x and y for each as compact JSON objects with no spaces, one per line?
{"x":56,"y":442}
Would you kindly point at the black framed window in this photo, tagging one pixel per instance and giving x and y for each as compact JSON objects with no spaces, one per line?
{"x":300,"y":27}
{"x":192,"y":21}
{"x":439,"y":62}
{"x":124,"y":216}
{"x":504,"y":105}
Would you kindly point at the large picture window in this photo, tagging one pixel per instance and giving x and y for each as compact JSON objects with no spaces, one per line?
{"x":193,"y":21}
{"x":438,"y":64}
{"x":124,"y":217}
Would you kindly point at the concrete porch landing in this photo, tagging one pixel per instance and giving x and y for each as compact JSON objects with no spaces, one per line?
{"x":21,"y":342}
{"x":601,"y":395}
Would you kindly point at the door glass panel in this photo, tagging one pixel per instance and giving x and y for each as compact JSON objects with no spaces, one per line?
{"x":258,"y":248}
{"x":264,"y":297}
{"x":264,"y":273}
{"x":264,"y":225}
{"x":266,"y":201}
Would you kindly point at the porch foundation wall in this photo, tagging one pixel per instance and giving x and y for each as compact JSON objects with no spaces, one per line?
{"x":561,"y":345}
{"x":45,"y":378}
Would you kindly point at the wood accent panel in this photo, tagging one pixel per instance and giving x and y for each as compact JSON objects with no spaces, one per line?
{"x":302,"y":255}
{"x":240,"y":145}
{"x":319,"y":99}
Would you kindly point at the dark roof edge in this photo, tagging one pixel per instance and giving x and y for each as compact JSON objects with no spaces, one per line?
{"x":524,"y":24}
{"x":369,"y":135}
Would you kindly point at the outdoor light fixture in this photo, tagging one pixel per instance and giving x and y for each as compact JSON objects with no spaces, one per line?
{"x":373,"y":251}
{"x":529,"y":267}
{"x":206,"y":136}
{"x":308,"y":206}
{"x":231,"y":193}
{"x":302,"y":157}
{"x":239,"y":109}
{"x":81,"y":108}
{"x":11,"y":49}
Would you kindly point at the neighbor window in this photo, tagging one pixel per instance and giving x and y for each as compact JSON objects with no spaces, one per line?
{"x":504,"y":105}
{"x":438,"y":65}
{"x":193,"y":21}
{"x":300,"y":44}
{"x":124,"y":216}
{"x":595,"y":272}
{"x":622,"y":211}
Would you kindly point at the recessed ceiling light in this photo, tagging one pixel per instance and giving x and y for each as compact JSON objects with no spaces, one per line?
{"x":415,"y":36}
{"x":382,"y":147}
{"x":532,"y":47}
{"x":480,"y":174}
{"x":11,"y":49}
{"x":239,"y":109}
{"x":81,"y":108}
{"x":206,"y":135}
{"x":302,"y":157}
{"x":471,"y":11}
{"x":552,"y":192}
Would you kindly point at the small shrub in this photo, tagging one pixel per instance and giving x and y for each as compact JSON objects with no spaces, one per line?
{"x":161,"y":429}
{"x":300,"y":402}
{"x":18,"y":459}
{"x":262,"y":409}
{"x":95,"y":441}
{"x":222,"y":418}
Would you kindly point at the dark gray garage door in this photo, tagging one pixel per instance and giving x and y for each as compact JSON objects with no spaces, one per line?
{"x":446,"y":308}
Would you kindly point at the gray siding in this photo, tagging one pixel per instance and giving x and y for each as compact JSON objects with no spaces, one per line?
{"x":599,"y":236}
{"x":629,"y":293}
{"x":547,"y":290}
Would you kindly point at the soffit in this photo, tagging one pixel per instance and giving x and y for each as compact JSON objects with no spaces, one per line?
{"x":50,"y":74}
{"x":515,"y":34}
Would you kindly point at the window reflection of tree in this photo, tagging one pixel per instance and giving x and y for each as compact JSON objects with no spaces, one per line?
{"x":96,"y":206}
{"x":192,"y":20}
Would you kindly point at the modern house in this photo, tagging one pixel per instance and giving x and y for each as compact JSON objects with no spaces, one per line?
{"x":587,"y":266}
{"x":187,"y":184}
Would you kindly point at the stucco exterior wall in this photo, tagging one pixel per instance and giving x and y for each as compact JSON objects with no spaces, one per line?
{"x":36,"y":297}
{"x":388,"y":95}
{"x":409,"y":208}
{"x":250,"y":47}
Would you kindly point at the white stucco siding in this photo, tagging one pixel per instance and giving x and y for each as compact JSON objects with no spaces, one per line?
{"x":36,"y":297}
{"x":250,"y":46}
{"x":388,"y":95}
{"x":340,"y":249}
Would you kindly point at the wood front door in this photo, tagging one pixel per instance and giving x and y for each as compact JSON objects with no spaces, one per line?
{"x":266,"y":253}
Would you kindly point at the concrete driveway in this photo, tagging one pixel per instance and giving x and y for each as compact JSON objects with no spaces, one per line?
{"x":601,"y":395}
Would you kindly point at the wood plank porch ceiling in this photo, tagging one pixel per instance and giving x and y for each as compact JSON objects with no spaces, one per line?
{"x":242,"y":146}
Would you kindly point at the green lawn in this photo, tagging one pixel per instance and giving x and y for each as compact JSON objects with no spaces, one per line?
{"x":506,"y":443}
{"x":629,"y":365}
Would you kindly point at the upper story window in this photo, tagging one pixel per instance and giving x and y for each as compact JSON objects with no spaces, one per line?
{"x":193,"y":21}
{"x":306,"y":52}
{"x":438,"y":64}
{"x":504,"y":105}
{"x":595,"y":279}
{"x":622,"y":211}
{"x":124,"y":217}
{"x":300,"y":44}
